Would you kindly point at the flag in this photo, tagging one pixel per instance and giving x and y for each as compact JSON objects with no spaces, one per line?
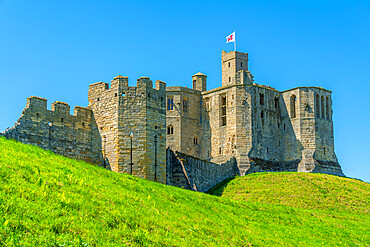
{"x":230,"y":38}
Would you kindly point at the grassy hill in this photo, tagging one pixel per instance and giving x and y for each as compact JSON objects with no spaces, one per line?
{"x":49,"y":200}
{"x":299,"y":190}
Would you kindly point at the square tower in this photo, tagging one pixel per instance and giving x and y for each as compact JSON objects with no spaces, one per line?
{"x":232,"y":62}
{"x":131,"y":122}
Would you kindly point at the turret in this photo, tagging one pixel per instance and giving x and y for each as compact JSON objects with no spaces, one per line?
{"x":200,"y":82}
{"x":232,"y":62}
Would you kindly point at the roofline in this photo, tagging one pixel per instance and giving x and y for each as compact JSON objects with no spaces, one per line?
{"x":182,"y":89}
{"x":306,"y":87}
{"x":238,"y":85}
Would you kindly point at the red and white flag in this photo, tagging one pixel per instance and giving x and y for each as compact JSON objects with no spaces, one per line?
{"x":230,"y":38}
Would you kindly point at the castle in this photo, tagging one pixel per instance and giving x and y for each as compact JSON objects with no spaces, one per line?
{"x":191,"y":138}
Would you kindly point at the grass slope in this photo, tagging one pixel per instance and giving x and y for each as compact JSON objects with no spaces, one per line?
{"x":49,"y":200}
{"x":299,"y":190}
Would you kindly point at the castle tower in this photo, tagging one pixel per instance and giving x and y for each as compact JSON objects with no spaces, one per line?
{"x":309,"y":130}
{"x":136,"y":115}
{"x":200,"y":82}
{"x":232,"y":62}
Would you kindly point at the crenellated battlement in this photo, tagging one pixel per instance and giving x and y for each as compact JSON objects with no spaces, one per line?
{"x":56,"y":129}
{"x":37,"y":105}
{"x":120,"y":83}
{"x":61,"y":107}
{"x":82,"y":112}
{"x":35,"y":102}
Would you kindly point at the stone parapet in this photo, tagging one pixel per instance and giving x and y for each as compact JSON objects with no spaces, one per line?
{"x":192,"y":173}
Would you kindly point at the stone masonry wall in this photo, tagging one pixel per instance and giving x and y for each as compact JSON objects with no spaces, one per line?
{"x":264,"y":129}
{"x":192,"y":173}
{"x":185,"y":118}
{"x":309,"y":130}
{"x":231,"y":63}
{"x":57,"y":130}
{"x":121,"y":110}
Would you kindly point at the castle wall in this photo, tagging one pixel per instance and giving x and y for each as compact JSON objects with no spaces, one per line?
{"x":56,"y":130}
{"x":266,"y":127}
{"x":122,"y":110}
{"x":309,"y":130}
{"x":220,"y":124}
{"x":153,"y":163}
{"x":185,"y":117}
{"x":324,"y":155}
{"x":104,"y":103}
{"x":192,"y":173}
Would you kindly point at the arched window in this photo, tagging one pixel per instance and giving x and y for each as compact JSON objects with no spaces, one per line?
{"x":327,"y":108}
{"x":293,"y":100}
{"x":195,"y":140}
{"x":170,"y":130}
{"x":317,"y":106}
{"x":322,"y":107}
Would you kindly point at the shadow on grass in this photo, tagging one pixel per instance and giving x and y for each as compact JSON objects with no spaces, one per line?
{"x":219,"y":188}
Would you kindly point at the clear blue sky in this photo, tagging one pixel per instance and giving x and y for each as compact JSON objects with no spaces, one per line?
{"x":55,"y":49}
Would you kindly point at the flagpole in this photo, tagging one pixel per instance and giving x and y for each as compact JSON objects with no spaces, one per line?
{"x":234,"y":41}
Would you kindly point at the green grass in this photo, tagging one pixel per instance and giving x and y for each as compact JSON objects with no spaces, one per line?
{"x":299,"y":190}
{"x":49,"y":200}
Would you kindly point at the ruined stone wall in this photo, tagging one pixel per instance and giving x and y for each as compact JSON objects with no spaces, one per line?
{"x":192,"y":173}
{"x":56,"y":130}
{"x":122,"y":110}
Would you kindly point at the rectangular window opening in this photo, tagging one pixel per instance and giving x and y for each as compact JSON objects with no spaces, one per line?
{"x":185,"y":104}
{"x":223,"y":110}
{"x":170,"y":104}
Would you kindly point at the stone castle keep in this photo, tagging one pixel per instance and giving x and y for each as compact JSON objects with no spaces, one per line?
{"x":191,"y":138}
